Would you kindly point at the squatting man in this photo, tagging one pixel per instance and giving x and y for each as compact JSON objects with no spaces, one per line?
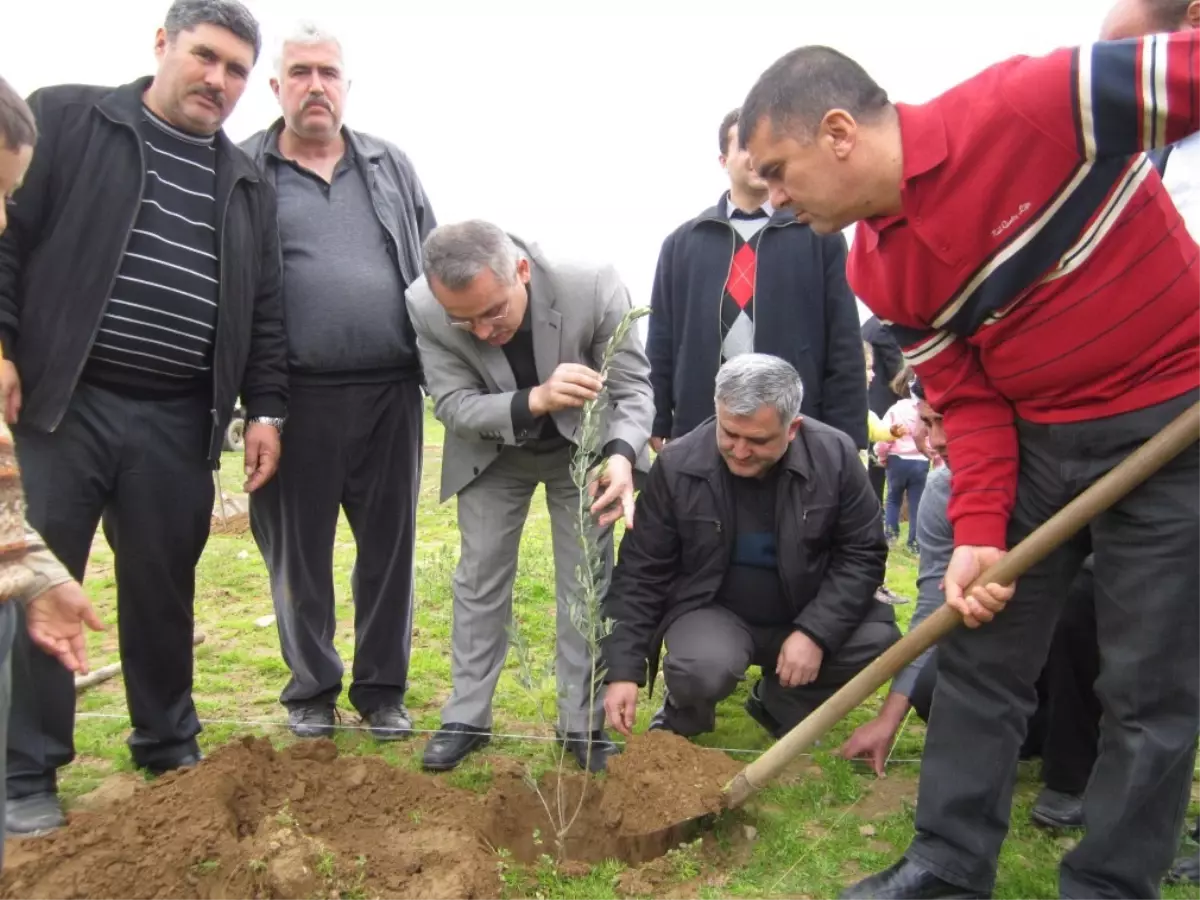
{"x":759,"y":542}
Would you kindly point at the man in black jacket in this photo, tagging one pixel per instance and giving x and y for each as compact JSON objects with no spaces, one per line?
{"x":758,"y":542}
{"x":138,"y":223}
{"x":742,"y":277}
{"x":352,"y":215}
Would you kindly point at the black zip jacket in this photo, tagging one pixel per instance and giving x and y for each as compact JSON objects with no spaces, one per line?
{"x":832,"y":550}
{"x":66,"y":237}
{"x":804,"y":312}
{"x":888,"y":363}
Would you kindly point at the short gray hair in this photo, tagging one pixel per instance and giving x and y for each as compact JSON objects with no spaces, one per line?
{"x":185,"y":15}
{"x":751,"y":381}
{"x":455,"y":254}
{"x":307,"y":33}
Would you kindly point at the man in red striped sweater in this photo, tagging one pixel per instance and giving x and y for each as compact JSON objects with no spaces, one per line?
{"x":1021,"y":247}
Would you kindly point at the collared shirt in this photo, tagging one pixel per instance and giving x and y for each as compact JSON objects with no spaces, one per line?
{"x":343,"y":293}
{"x":747,"y":222}
{"x":1037,"y":267}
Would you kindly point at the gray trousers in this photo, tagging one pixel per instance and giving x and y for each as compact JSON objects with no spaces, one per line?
{"x":1147,"y":621}
{"x":8,"y":625}
{"x":491,"y":516}
{"x":355,"y":447}
{"x":710,"y":649}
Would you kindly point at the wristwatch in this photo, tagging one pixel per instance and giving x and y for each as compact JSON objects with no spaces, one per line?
{"x":273,"y":421}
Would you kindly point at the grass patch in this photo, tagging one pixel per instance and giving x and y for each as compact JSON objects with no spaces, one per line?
{"x":824,"y":824}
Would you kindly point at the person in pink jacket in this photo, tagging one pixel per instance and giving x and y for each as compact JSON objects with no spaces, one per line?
{"x":905,"y":459}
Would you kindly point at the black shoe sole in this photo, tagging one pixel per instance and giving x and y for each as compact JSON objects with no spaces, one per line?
{"x":1044,"y":821}
{"x":312,"y":732}
{"x":390,"y":734}
{"x":445,"y":765}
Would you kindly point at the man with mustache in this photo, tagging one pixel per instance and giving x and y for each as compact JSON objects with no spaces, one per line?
{"x":138,"y":220}
{"x":352,"y":215}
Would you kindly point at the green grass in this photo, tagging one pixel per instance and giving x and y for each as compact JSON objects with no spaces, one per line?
{"x":820,"y":827}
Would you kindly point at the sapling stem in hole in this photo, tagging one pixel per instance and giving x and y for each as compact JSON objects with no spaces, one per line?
{"x":585,"y":602}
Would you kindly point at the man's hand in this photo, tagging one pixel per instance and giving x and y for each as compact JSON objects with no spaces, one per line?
{"x":620,"y":705}
{"x":569,"y":387}
{"x":799,"y":660}
{"x":981,"y":605}
{"x":898,"y":430}
{"x":657,"y":443}
{"x":55,"y":620}
{"x":10,"y":391}
{"x":617,"y":499}
{"x":262,"y":454}
{"x":873,"y":741}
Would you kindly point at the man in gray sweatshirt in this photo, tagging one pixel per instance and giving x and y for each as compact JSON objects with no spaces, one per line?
{"x":352,"y":216}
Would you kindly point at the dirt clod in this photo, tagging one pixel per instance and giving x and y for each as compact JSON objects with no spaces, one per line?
{"x":251,"y":821}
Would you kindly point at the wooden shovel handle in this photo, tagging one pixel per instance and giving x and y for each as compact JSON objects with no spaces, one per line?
{"x":1123,"y":478}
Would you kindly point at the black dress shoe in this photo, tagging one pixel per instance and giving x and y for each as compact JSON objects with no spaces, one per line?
{"x":1055,"y":809}
{"x":602,"y":748}
{"x":187,"y":761}
{"x":758,"y":712}
{"x":906,"y":881}
{"x":1185,"y":870}
{"x":659,"y":721}
{"x":389,"y":723}
{"x":311,"y":720}
{"x":451,"y":744}
{"x":33,"y":815}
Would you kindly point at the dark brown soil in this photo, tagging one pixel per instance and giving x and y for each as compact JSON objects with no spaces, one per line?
{"x":251,"y":821}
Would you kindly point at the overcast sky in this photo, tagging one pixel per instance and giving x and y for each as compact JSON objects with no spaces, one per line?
{"x":594,"y":135}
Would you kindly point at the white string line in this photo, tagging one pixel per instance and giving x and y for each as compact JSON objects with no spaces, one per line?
{"x":532,"y":738}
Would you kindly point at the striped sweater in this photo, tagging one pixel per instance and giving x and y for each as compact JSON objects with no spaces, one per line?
{"x":1038,"y":268}
{"x":157,"y":333}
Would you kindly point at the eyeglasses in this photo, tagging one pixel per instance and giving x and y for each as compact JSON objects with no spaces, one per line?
{"x":487,"y":318}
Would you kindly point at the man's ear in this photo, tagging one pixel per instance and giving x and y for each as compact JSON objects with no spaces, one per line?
{"x":794,"y":428}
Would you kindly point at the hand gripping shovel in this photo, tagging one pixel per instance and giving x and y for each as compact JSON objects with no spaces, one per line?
{"x":1122,"y":479}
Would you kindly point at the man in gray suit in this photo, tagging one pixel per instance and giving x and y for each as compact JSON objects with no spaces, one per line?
{"x":511,"y":343}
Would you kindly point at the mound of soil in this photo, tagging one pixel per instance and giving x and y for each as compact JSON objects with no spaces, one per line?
{"x":251,"y":821}
{"x":234,"y":523}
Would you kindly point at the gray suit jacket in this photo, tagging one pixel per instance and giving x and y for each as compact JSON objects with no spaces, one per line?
{"x":575,"y":309}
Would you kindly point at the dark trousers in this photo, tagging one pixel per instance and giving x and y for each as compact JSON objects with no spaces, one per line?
{"x":877,"y":475}
{"x":8,"y":627}
{"x":140,"y":465}
{"x":355,"y":447}
{"x":904,"y":476}
{"x":922,"y":701}
{"x":1073,"y":712}
{"x":710,"y":649}
{"x":1065,"y":725}
{"x":1147,"y":619}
